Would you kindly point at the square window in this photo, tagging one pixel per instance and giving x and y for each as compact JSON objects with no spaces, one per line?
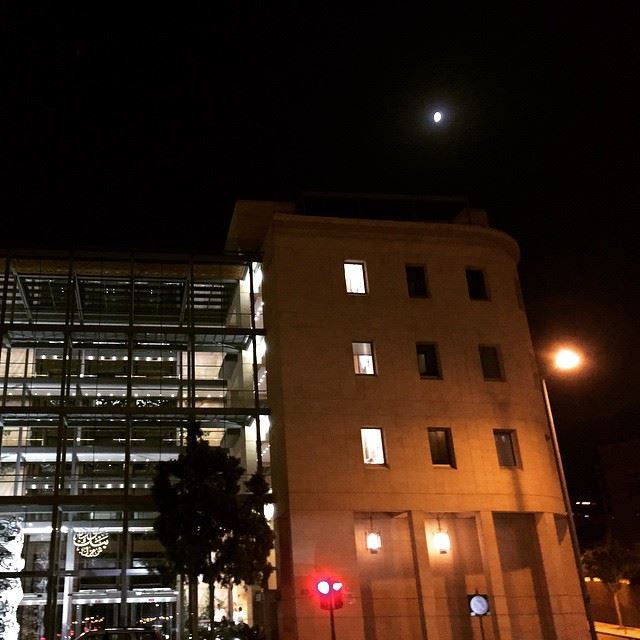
{"x":506,"y":447}
{"x":372,"y":445}
{"x":491,"y":364}
{"x":355,"y":277}
{"x":441,"y":445}
{"x":428,"y":360}
{"x":417,"y":281}
{"x":363,"y":363}
{"x":476,"y":284}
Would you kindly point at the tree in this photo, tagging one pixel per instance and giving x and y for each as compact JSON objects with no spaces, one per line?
{"x":206,"y":527}
{"x":611,"y":563}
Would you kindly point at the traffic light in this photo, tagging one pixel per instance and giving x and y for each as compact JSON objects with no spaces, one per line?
{"x":330,"y":593}
{"x":337,"y":595}
{"x":323,"y":587}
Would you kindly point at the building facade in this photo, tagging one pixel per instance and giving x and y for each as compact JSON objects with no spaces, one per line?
{"x":104,"y":362}
{"x":406,"y":405}
{"x":404,"y":432}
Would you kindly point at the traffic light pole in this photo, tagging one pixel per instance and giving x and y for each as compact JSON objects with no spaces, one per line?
{"x":330,"y":591}
{"x":331,"y":620}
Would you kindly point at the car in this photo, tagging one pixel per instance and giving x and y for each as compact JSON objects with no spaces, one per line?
{"x":121,"y":633}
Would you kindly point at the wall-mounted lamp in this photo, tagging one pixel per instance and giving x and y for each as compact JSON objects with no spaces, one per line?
{"x":373,"y":539}
{"x":441,"y":539}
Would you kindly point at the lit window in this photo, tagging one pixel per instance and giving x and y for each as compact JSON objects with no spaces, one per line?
{"x":355,"y":277}
{"x":490,"y":362}
{"x":428,"y":360}
{"x":372,"y":446}
{"x":416,"y":281}
{"x":363,"y":358}
{"x":441,"y":445}
{"x":506,"y":447}
{"x":476,"y":284}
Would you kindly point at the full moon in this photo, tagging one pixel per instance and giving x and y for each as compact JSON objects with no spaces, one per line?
{"x":437,"y":116}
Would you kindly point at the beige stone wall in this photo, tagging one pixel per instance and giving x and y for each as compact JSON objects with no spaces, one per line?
{"x":319,"y":405}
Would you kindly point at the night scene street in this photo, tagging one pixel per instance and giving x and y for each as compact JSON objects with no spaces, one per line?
{"x":319,"y":323}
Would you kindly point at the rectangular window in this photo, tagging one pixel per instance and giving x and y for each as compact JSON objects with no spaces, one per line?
{"x":355,"y":277}
{"x":476,"y":284}
{"x":506,"y":447}
{"x":441,"y":445}
{"x":428,"y":360}
{"x":363,"y":362}
{"x":53,"y":367}
{"x":491,"y":364}
{"x":416,"y":281}
{"x":372,"y":445}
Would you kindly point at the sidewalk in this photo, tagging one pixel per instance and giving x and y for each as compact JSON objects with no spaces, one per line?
{"x":605,"y":631}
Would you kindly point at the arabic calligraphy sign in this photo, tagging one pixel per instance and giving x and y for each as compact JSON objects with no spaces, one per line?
{"x":91,"y":543}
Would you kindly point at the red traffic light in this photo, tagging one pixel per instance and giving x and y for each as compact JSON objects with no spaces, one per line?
{"x":337,"y":595}
{"x":323,"y":587}
{"x":330,"y":593}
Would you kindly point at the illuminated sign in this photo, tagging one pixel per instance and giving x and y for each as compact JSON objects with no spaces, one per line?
{"x":90,"y":544}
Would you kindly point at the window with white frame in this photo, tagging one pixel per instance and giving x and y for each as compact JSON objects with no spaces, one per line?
{"x":363,"y":362}
{"x":355,"y":277}
{"x":372,"y":445}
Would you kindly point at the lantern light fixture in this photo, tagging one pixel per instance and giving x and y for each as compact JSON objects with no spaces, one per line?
{"x":441,"y":539}
{"x":373,"y":538}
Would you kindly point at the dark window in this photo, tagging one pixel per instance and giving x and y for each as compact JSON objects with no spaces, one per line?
{"x":441,"y":445}
{"x":506,"y":447}
{"x":476,"y":284}
{"x":106,"y":368}
{"x":428,"y":361}
{"x":155,"y":368}
{"x":490,"y":361}
{"x":417,"y":281}
{"x":53,"y":367}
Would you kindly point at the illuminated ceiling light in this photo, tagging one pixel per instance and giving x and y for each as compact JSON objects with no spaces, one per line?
{"x":373,"y":538}
{"x":269,"y":511}
{"x":441,"y":540}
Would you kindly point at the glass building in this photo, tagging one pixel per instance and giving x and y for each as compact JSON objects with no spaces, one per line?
{"x":105,"y":360}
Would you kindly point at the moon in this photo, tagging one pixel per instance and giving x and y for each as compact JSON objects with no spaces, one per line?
{"x":437,"y":116}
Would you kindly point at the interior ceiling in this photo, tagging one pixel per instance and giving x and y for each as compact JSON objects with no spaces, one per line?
{"x":96,"y":299}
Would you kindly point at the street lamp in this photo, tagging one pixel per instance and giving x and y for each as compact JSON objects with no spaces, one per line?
{"x":567,"y":359}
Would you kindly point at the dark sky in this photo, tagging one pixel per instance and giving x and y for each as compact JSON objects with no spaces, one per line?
{"x":138,"y":125}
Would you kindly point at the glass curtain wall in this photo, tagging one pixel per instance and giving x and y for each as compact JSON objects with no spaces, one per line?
{"x":103,"y":364}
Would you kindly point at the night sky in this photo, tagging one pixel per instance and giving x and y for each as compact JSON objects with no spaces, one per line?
{"x":131,"y":126}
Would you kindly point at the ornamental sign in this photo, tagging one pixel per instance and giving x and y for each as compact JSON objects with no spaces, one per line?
{"x":90,"y":544}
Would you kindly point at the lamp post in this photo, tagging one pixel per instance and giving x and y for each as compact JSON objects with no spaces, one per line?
{"x":567,"y":359}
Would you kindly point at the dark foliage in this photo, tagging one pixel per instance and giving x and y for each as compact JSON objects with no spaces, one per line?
{"x":205,"y":525}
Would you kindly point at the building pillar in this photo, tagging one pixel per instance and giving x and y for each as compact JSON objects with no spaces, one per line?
{"x":424,"y":579}
{"x":493,"y":573}
{"x":565,"y":596}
